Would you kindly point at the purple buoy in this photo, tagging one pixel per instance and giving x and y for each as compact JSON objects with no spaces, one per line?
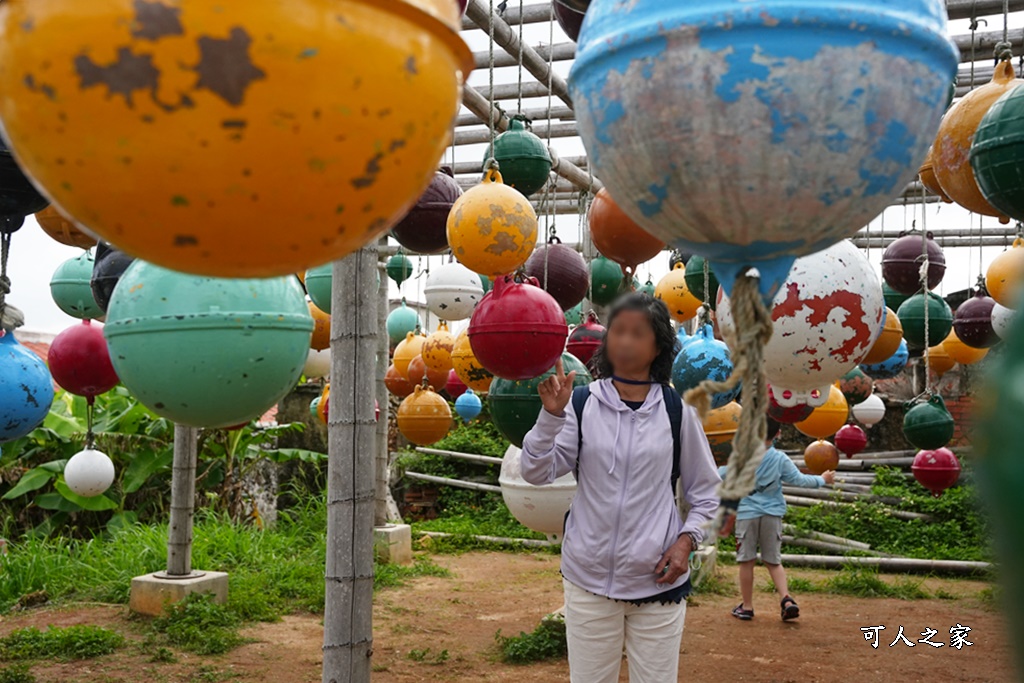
{"x":569,"y":18}
{"x":973,"y":322}
{"x":424,"y":229}
{"x":901,"y":264}
{"x":565,"y":276}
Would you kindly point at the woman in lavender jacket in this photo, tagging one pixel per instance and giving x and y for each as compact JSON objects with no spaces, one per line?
{"x":625,"y":553}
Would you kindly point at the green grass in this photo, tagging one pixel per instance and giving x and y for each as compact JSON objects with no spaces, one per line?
{"x":64,"y":644}
{"x":859,"y":582}
{"x":18,"y":673}
{"x":547,"y":641}
{"x":197,"y":624}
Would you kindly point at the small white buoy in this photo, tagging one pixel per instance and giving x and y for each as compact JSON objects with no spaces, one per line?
{"x":89,"y":473}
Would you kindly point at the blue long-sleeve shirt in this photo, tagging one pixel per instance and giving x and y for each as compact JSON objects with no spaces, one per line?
{"x":775,"y":469}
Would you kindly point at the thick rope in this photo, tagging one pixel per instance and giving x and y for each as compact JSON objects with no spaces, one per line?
{"x":1004,"y":48}
{"x":750,"y":333}
{"x":923,"y":274}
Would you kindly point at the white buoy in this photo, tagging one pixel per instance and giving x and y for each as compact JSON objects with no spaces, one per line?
{"x":1002,"y":320}
{"x":89,"y":473}
{"x":318,"y":364}
{"x":541,"y":508}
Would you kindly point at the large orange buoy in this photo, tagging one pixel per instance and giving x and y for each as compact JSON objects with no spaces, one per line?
{"x":492,"y":228}
{"x":820,"y":457}
{"x":827,"y":419}
{"x":939,"y":359}
{"x":672,"y":289}
{"x":616,"y":235}
{"x":244,"y":138}
{"x":888,"y":341}
{"x":397,"y":384}
{"x":467,"y":367}
{"x":960,"y":352}
{"x":61,"y":229}
{"x":405,"y":351}
{"x":424,"y":417}
{"x":321,"y":338}
{"x":927,"y":175}
{"x":437,"y":351}
{"x":1005,"y":276}
{"x":720,"y":426}
{"x":951,"y":153}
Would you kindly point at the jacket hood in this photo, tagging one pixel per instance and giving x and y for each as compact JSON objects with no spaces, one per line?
{"x":604,"y":391}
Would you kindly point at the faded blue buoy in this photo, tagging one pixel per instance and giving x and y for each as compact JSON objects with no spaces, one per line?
{"x":803,"y":120}
{"x":891,"y":366}
{"x":26,"y":389}
{"x":468,"y":405}
{"x":704,"y":357}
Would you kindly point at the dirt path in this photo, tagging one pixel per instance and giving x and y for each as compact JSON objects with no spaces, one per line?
{"x":417,"y":624}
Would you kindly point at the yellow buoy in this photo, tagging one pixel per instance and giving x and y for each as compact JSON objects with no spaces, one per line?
{"x":437,"y":350}
{"x":424,"y":417}
{"x":826,"y":419}
{"x":888,"y":341}
{"x":672,"y":289}
{"x":405,"y":351}
{"x":939,"y":360}
{"x":321,"y":338}
{"x":1006,"y":275}
{"x":960,"y":352}
{"x":467,"y":367}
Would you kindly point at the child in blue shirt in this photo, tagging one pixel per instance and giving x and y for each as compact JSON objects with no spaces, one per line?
{"x":759,"y":523}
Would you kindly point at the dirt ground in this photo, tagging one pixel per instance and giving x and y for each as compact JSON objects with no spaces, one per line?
{"x":489,"y":591}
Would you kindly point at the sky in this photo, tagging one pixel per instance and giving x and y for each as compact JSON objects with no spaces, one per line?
{"x":34,"y":256}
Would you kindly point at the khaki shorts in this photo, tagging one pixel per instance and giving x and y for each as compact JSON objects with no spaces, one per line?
{"x":764,"y":532}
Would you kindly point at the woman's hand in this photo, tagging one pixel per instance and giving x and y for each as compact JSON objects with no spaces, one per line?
{"x":556,"y":390}
{"x":676,"y":560}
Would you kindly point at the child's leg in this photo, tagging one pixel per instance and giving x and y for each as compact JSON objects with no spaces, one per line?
{"x":778,"y":575}
{"x":747,"y":583}
{"x":747,"y":531}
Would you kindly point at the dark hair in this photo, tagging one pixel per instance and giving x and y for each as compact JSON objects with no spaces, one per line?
{"x":664,"y":336}
{"x":774,"y":427}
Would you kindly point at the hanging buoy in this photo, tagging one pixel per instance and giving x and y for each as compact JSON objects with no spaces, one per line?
{"x":396,"y":383}
{"x":997,"y":150}
{"x":107,"y":270}
{"x":80,"y":362}
{"x":889,"y":339}
{"x":616,"y":235}
{"x":927,"y":175}
{"x":518,"y":330}
{"x":399,"y":268}
{"x":468,"y":405}
{"x":828,"y":418}
{"x":244,"y":158}
{"x":870,"y":412}
{"x":902,"y":261}
{"x":939,"y":360}
{"x":314,"y":406}
{"x":401,"y":321}
{"x":704,"y":358}
{"x":18,"y":196}
{"x":437,"y":350}
{"x":571,"y":20}
{"x":419,"y":372}
{"x":452,"y":291}
{"x":492,"y":229}
{"x":585,"y":339}
{"x":606,"y":281}
{"x":26,"y":389}
{"x":574,"y":315}
{"x":695,"y":281}
{"x":321,"y":338}
{"x":851,"y":440}
{"x":936,"y":470}
{"x":89,"y":473}
{"x":63,"y":230}
{"x":788,"y":414}
{"x":973,"y":322}
{"x":891,"y":366}
{"x":522,"y":157}
{"x":1005,"y":276}
{"x":318,"y":364}
{"x":515,"y":405}
{"x":820,"y":457}
{"x":407,"y":349}
{"x":893,"y":299}
{"x":323,"y":407}
{"x":207,"y":352}
{"x":960,"y":352}
{"x":318,"y":285}
{"x":720,"y":426}
{"x":424,"y":230}
{"x":648,"y":288}
{"x":928,"y":425}
{"x":951,"y":155}
{"x":672,"y":289}
{"x":467,"y":367}
{"x":856,"y":386}
{"x":561,"y":272}
{"x":71,"y":289}
{"x":455,"y":386}
{"x":424,"y":417}
{"x":1002,"y":320}
{"x":912,"y":317}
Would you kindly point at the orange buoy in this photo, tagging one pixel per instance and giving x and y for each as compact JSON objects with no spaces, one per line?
{"x":424,"y":417}
{"x":927,"y":175}
{"x":1005,"y":276}
{"x":720,"y":426}
{"x":396,"y":384}
{"x":323,"y":407}
{"x":820,"y":457}
{"x":951,"y":152}
{"x":616,"y":235}
{"x":492,"y":228}
{"x":63,"y":230}
{"x":826,"y":419}
{"x":437,"y":351}
{"x":321,"y":338}
{"x":405,"y":351}
{"x":960,"y":352}
{"x":418,"y":371}
{"x":939,"y":359}
{"x":672,"y":289}
{"x":467,"y":367}
{"x":888,"y":341}
{"x":254,"y":138}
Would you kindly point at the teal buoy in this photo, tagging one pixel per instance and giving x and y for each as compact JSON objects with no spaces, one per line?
{"x":71,"y":289}
{"x":401,"y":322}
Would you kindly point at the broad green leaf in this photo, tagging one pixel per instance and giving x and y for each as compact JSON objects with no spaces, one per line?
{"x":32,"y":480}
{"x":55,"y":501}
{"x":63,"y":425}
{"x":121,"y":521}
{"x":94,"y":503}
{"x":144,"y":466}
{"x":288,"y":454}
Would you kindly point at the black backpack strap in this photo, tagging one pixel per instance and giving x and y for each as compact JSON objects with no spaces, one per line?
{"x":579,"y":399}
{"x":674,"y":406}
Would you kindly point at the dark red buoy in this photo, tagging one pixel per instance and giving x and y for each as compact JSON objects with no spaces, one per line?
{"x":586,"y":338}
{"x":901,"y":264}
{"x":569,"y":18}
{"x":80,"y":362}
{"x":936,"y":470}
{"x":455,"y":386}
{"x":973,"y":322}
{"x":789,"y":416}
{"x":424,"y":229}
{"x":567,"y":278}
{"x":851,"y":440}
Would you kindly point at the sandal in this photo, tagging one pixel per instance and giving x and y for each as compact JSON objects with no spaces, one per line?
{"x":789,"y":609}
{"x":743,"y":614}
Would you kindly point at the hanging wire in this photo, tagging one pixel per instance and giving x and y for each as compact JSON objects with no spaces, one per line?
{"x":927,"y":298}
{"x":521,"y":23}
{"x":491,"y":163}
{"x":1004,"y":49}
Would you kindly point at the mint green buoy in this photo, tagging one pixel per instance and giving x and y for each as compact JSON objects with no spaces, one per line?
{"x":318,"y":285}
{"x":401,"y":322}
{"x":71,"y":290}
{"x":207,"y":352}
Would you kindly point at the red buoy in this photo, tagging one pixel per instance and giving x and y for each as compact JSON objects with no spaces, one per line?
{"x":80,"y":362}
{"x":936,"y":470}
{"x":585,"y":340}
{"x":851,"y":440}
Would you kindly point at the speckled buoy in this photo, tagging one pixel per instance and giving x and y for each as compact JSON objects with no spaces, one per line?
{"x":26,"y":389}
{"x":71,"y":288}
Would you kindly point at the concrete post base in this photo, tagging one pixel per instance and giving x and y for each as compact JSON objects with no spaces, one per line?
{"x":151,"y":593}
{"x":708,"y":557}
{"x":392,"y":543}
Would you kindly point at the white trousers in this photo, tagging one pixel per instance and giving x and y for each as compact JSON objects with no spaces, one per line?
{"x":596,"y":629}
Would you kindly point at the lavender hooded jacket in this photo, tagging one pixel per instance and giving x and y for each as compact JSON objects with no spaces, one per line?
{"x":624,"y":515}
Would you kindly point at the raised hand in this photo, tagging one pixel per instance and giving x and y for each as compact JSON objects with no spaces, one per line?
{"x":556,"y":391}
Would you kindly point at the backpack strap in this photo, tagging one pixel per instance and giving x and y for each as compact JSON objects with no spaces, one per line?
{"x":579,"y":399}
{"x":674,"y":406}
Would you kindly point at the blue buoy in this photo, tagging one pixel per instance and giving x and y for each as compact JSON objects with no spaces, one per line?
{"x":891,"y":366}
{"x":704,"y":357}
{"x":26,"y":389}
{"x":468,"y":405}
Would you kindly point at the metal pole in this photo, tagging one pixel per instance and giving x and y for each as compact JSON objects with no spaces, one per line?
{"x":183,"y":493}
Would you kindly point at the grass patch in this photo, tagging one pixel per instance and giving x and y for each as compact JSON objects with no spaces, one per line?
{"x":863,"y":582}
{"x":18,"y":673}
{"x":64,"y":644}
{"x":197,"y":624}
{"x":715,"y":584}
{"x":797,"y":584}
{"x":393,"y":575}
{"x":547,"y":641}
{"x":426,"y":656}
